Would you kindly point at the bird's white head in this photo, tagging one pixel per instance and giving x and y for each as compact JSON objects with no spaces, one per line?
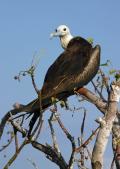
{"x":63,"y":32}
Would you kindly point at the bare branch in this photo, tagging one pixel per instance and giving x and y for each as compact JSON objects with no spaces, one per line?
{"x":33,"y":163}
{"x":96,"y":89}
{"x":34,"y":84}
{"x":87,"y":141}
{"x":105,"y":128}
{"x":89,"y":154}
{"x":9,"y":142}
{"x":29,"y":108}
{"x":116,"y":140}
{"x":12,"y":159}
{"x":54,"y":139}
{"x":82,"y":138}
{"x":91,"y":97}
{"x":105,"y":82}
{"x":51,"y":154}
{"x":18,"y":128}
{"x":71,"y":161}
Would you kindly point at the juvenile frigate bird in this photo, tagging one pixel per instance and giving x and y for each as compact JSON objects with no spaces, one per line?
{"x":74,"y":68}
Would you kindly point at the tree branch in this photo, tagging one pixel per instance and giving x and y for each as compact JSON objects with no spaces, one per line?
{"x":51,"y":154}
{"x":105,"y":127}
{"x":35,"y":105}
{"x":71,"y":161}
{"x":116,"y":141}
{"x":92,"y":98}
{"x":12,"y":159}
{"x":54,"y":139}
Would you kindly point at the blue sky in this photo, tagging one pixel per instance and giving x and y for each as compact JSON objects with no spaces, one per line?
{"x":25,"y":27}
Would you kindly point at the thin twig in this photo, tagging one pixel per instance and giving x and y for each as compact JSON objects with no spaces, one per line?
{"x":34,"y":84}
{"x":12,"y":159}
{"x":9,"y":142}
{"x":82,"y":137}
{"x":21,"y":115}
{"x":71,"y":160}
{"x":87,"y":141}
{"x":89,"y":154}
{"x":18,"y":128}
{"x":54,"y":139}
{"x":62,"y":126}
{"x":104,"y":80}
{"x":96,"y":89}
{"x":51,"y":154}
{"x":33,"y":163}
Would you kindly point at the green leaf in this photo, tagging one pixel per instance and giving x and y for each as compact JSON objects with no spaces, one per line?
{"x":90,"y":40}
{"x":104,"y":64}
{"x":54,"y":100}
{"x":62,"y":103}
{"x":117,"y":76}
{"x":112,"y":71}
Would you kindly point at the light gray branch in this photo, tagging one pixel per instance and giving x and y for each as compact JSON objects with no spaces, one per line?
{"x":116,"y":140}
{"x":105,"y":127}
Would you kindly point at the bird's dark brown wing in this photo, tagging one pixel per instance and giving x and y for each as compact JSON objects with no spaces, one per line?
{"x":67,"y":71}
{"x":73,"y":68}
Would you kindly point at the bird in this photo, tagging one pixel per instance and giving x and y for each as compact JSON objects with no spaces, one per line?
{"x":75,"y":67}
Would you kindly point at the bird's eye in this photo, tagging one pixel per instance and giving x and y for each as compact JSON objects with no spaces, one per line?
{"x":64,"y":29}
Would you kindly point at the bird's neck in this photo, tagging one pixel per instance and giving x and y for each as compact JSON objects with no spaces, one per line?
{"x":65,"y":40}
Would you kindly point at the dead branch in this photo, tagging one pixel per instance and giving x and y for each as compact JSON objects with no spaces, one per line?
{"x":18,"y":127}
{"x":12,"y":159}
{"x":54,"y":139}
{"x":97,"y":90}
{"x":92,"y":98}
{"x":105,"y":81}
{"x":116,"y":141}
{"x":51,"y":154}
{"x":68,"y":135}
{"x":105,"y":127}
{"x":81,"y":139}
{"x":9,"y":142}
{"x":35,"y":105}
{"x":33,"y":163}
{"x":16,"y":138}
{"x":87,"y":141}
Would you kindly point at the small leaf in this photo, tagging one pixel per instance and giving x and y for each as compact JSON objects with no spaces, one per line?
{"x":112,"y":71}
{"x":62,"y":103}
{"x":54,"y":100}
{"x":90,"y":40}
{"x":104,"y":64}
{"x":117,"y":76}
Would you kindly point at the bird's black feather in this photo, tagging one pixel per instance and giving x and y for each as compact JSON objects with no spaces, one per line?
{"x":74,"y":68}
{"x":62,"y":74}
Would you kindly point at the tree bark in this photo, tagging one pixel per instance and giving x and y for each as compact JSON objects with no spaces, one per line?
{"x":106,"y":124}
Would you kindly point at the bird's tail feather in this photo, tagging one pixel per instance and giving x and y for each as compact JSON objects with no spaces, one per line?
{"x":33,"y":121}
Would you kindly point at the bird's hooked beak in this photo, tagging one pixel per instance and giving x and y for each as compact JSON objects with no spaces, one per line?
{"x":55,"y":34}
